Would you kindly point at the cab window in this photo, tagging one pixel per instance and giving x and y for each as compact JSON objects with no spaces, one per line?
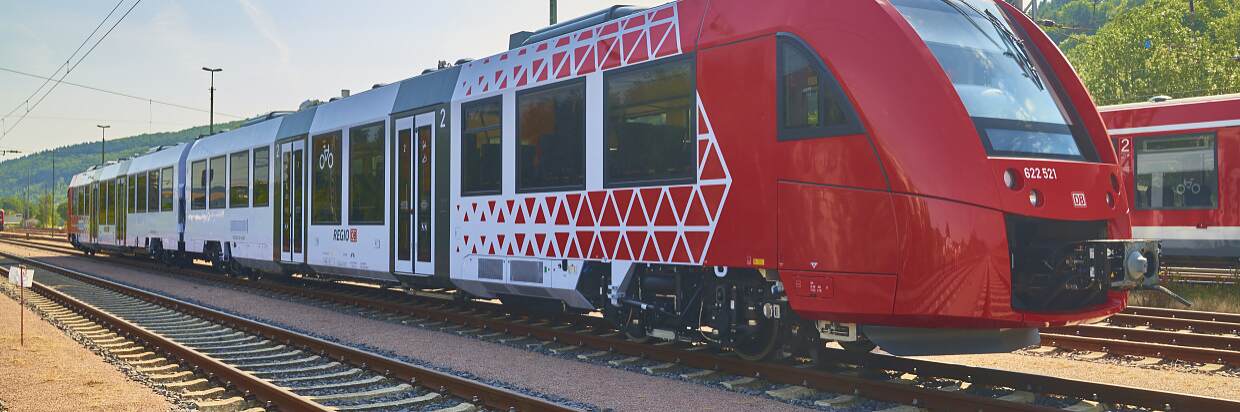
{"x":811,"y":102}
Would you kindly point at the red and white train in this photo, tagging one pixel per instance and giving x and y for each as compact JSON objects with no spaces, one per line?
{"x":1181,"y":160}
{"x":926,"y":175}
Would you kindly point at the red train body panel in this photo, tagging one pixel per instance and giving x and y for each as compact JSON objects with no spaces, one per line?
{"x":1164,"y":146}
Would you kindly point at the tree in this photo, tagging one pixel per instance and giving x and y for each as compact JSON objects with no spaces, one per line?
{"x":1159,"y":48}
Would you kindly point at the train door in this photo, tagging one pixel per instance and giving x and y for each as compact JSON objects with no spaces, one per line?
{"x":292,"y":201}
{"x":414,"y":194}
{"x":96,"y":212}
{"x":121,"y":191}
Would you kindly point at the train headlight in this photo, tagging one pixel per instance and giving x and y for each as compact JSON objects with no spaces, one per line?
{"x":1114,"y":183}
{"x":1010,"y":179}
{"x":1110,"y":200}
{"x":1035,"y":198}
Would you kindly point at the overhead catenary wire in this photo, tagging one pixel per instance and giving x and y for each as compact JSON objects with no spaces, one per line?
{"x":116,"y":93}
{"x":69,"y":59}
{"x":70,"y":70}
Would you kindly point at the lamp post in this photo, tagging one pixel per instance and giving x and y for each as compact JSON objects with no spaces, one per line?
{"x":211,"y":127}
{"x":103,"y":146}
{"x":554,"y":14}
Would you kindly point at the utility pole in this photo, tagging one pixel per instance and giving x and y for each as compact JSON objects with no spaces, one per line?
{"x":211,"y":128}
{"x":554,"y":13}
{"x":103,"y":140}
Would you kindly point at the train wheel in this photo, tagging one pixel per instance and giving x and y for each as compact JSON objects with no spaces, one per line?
{"x":758,"y":339}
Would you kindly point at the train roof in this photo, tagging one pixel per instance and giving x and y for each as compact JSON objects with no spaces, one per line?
{"x":364,"y":107}
{"x":113,"y":170}
{"x":258,"y":134}
{"x":1198,"y":113}
{"x":159,"y":158}
{"x":1234,"y":97}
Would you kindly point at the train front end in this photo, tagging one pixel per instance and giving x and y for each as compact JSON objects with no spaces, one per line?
{"x":1009,"y":204}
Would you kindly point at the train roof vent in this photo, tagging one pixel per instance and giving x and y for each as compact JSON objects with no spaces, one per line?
{"x":266,"y":117}
{"x":1160,"y":98}
{"x":462,"y":61}
{"x":523,"y":38}
{"x":309,"y":103}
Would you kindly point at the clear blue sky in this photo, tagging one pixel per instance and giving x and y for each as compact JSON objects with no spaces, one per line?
{"x":275,"y":54}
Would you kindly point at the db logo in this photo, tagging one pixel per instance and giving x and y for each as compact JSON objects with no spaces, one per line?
{"x":1078,"y":200}
{"x":345,"y":235}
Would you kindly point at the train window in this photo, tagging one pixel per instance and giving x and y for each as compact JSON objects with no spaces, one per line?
{"x":130,"y":200}
{"x":811,"y":102}
{"x":110,"y":202}
{"x":262,"y":173}
{"x":481,"y":154}
{"x":650,"y":123}
{"x":551,"y":138}
{"x":325,"y":196}
{"x":152,"y":191}
{"x":140,"y":190}
{"x":1176,"y":172}
{"x":366,"y":175}
{"x":198,"y":185}
{"x":217,"y":174}
{"x":239,"y":179}
{"x":165,"y":189}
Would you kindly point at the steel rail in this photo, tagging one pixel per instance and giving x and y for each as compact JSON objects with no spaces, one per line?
{"x":261,"y":389}
{"x":782,"y":373}
{"x":1197,"y":340}
{"x":1127,"y":347}
{"x":477,"y":392}
{"x":1184,"y":314}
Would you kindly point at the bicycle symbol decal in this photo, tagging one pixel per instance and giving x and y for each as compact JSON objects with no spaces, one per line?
{"x":326,"y":159}
{"x":1188,"y":186}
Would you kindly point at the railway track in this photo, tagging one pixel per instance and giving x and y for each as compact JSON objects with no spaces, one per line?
{"x":277,"y":367}
{"x":901,"y":380}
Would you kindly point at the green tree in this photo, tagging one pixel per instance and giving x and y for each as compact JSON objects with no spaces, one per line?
{"x":1159,"y":48}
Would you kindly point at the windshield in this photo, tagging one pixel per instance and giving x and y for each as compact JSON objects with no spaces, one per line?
{"x":1002,"y":88}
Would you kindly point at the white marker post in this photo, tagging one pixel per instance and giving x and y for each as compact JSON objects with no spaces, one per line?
{"x":23,"y":277}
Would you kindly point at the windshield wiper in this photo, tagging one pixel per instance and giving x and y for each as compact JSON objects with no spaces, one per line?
{"x":1014,"y":46}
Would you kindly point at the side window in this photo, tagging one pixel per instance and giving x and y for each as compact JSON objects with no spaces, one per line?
{"x":325,"y":162}
{"x":551,"y":138}
{"x":239,"y":179}
{"x":198,"y":185}
{"x":151,"y":191}
{"x":366,"y":175}
{"x":811,"y":103}
{"x":262,"y":175}
{"x":165,"y":189}
{"x":1178,"y":172}
{"x":649,"y":125}
{"x":217,"y":196}
{"x":481,"y":153}
{"x":110,"y":201}
{"x":130,"y":199}
{"x":141,"y":192}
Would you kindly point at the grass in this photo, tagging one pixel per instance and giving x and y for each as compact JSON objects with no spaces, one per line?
{"x":1211,"y":298}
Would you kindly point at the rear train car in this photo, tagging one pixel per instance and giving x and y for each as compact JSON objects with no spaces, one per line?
{"x":1181,"y":159}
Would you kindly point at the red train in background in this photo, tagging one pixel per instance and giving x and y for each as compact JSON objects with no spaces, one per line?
{"x":1181,"y":160}
{"x":1,"y":220}
{"x":927,"y":176}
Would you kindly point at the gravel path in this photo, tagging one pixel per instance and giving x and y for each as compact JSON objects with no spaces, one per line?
{"x":598,"y":385}
{"x":52,"y":372}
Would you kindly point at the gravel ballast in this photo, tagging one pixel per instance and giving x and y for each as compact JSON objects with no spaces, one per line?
{"x":583,"y":384}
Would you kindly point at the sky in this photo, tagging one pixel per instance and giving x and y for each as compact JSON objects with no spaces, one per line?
{"x":274,"y":54}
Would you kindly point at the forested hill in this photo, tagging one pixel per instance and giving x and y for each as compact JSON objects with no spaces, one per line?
{"x":1131,"y":50}
{"x":34,"y":172}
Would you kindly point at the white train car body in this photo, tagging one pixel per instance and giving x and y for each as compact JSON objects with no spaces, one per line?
{"x":153,"y":221}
